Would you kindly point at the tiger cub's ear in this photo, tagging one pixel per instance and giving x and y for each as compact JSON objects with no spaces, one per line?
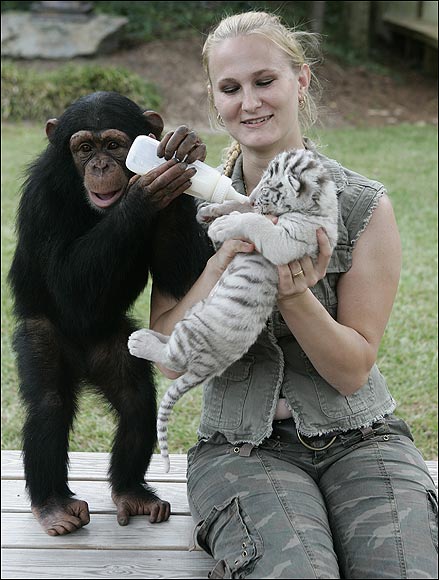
{"x":293,"y":182}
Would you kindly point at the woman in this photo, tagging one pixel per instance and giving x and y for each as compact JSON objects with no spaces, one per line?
{"x":301,"y":470}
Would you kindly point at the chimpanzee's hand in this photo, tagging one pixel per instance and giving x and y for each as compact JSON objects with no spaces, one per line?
{"x":164,"y":183}
{"x":182,"y":143}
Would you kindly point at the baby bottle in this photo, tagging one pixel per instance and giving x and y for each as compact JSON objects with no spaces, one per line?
{"x":207,"y":183}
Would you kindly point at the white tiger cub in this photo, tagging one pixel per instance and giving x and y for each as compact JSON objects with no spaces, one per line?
{"x":220,"y":329}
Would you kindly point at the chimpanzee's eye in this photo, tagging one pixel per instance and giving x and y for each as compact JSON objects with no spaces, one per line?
{"x":113,"y":145}
{"x":85,"y":148}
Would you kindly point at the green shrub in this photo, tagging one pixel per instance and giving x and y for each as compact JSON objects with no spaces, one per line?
{"x":28,"y":95}
{"x":152,"y":20}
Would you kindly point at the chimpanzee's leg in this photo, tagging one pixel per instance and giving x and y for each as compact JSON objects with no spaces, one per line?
{"x":49,"y":387}
{"x":128,"y":384}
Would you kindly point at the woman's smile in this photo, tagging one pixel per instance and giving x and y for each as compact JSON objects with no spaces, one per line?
{"x":257,"y":122}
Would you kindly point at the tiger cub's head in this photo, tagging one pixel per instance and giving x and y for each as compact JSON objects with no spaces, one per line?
{"x":293,"y":181}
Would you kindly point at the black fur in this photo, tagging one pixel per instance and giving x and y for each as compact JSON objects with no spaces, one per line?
{"x":75,"y":274}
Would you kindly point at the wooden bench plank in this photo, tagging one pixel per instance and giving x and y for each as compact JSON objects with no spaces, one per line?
{"x":94,"y":466}
{"x":96,"y":493}
{"x":433,"y":468}
{"x":80,"y":467}
{"x":102,"y":533}
{"x":98,"y":564}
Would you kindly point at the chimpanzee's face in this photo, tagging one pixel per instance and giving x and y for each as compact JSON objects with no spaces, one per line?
{"x":100,"y":160}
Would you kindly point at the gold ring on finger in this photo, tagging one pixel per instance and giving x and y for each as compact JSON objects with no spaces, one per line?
{"x":298,"y":273}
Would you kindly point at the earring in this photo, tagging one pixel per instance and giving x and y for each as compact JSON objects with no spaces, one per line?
{"x":302,"y":103}
{"x":219,"y":120}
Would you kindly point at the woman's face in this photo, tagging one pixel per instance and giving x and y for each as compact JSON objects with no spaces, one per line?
{"x":256,"y":92}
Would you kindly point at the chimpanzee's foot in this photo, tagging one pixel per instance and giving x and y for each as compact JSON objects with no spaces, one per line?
{"x":62,"y":515}
{"x":142,"y":501}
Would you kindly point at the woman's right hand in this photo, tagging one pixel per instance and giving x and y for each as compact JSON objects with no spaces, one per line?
{"x":219,"y":261}
{"x":222,"y":258}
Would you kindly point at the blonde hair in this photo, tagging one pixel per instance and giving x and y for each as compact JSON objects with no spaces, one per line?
{"x":300,"y":47}
{"x":230,"y":155}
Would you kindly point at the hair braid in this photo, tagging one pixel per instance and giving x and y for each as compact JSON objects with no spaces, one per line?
{"x":232,"y":154}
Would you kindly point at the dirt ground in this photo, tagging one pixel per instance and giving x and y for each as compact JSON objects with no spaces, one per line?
{"x":351,"y":96}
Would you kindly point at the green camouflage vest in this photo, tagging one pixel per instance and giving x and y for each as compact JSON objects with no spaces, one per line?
{"x":242,"y":401}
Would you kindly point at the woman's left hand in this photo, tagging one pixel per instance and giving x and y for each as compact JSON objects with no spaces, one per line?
{"x":296,"y":277}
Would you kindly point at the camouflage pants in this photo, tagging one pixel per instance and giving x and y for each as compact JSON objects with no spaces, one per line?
{"x":364,"y":507}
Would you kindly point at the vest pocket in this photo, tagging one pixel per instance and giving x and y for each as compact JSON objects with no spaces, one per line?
{"x":337,"y":406}
{"x":223,"y":410}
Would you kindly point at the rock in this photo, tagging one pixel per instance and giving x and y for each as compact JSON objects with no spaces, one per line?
{"x":70,"y":7}
{"x":28,"y":35}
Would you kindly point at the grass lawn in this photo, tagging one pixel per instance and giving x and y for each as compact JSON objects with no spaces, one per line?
{"x":404,"y":158}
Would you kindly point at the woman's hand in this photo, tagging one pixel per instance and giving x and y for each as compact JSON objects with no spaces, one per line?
{"x":296,"y":277}
{"x":166,"y":182}
{"x":219,"y":261}
{"x":222,"y":258}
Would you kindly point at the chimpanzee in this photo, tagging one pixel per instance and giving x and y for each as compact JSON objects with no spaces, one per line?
{"x":89,"y":233}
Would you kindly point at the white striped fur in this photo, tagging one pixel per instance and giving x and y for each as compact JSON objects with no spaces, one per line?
{"x":219,"y":330}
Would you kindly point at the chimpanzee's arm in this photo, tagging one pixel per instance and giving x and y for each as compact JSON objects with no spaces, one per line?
{"x":96,"y":277}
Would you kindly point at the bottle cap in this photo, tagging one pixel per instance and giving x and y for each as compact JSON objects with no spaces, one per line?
{"x":142,"y":156}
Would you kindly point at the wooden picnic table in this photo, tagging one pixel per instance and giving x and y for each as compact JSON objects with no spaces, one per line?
{"x":103,"y":548}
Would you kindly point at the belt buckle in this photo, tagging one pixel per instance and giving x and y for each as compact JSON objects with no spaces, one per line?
{"x":315,"y":448}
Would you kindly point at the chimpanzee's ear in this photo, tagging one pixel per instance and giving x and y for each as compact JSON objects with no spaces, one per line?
{"x":155,"y":121}
{"x":50,"y":128}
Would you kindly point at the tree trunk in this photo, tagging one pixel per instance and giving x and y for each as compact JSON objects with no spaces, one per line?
{"x":357,"y":16}
{"x":317,"y":16}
